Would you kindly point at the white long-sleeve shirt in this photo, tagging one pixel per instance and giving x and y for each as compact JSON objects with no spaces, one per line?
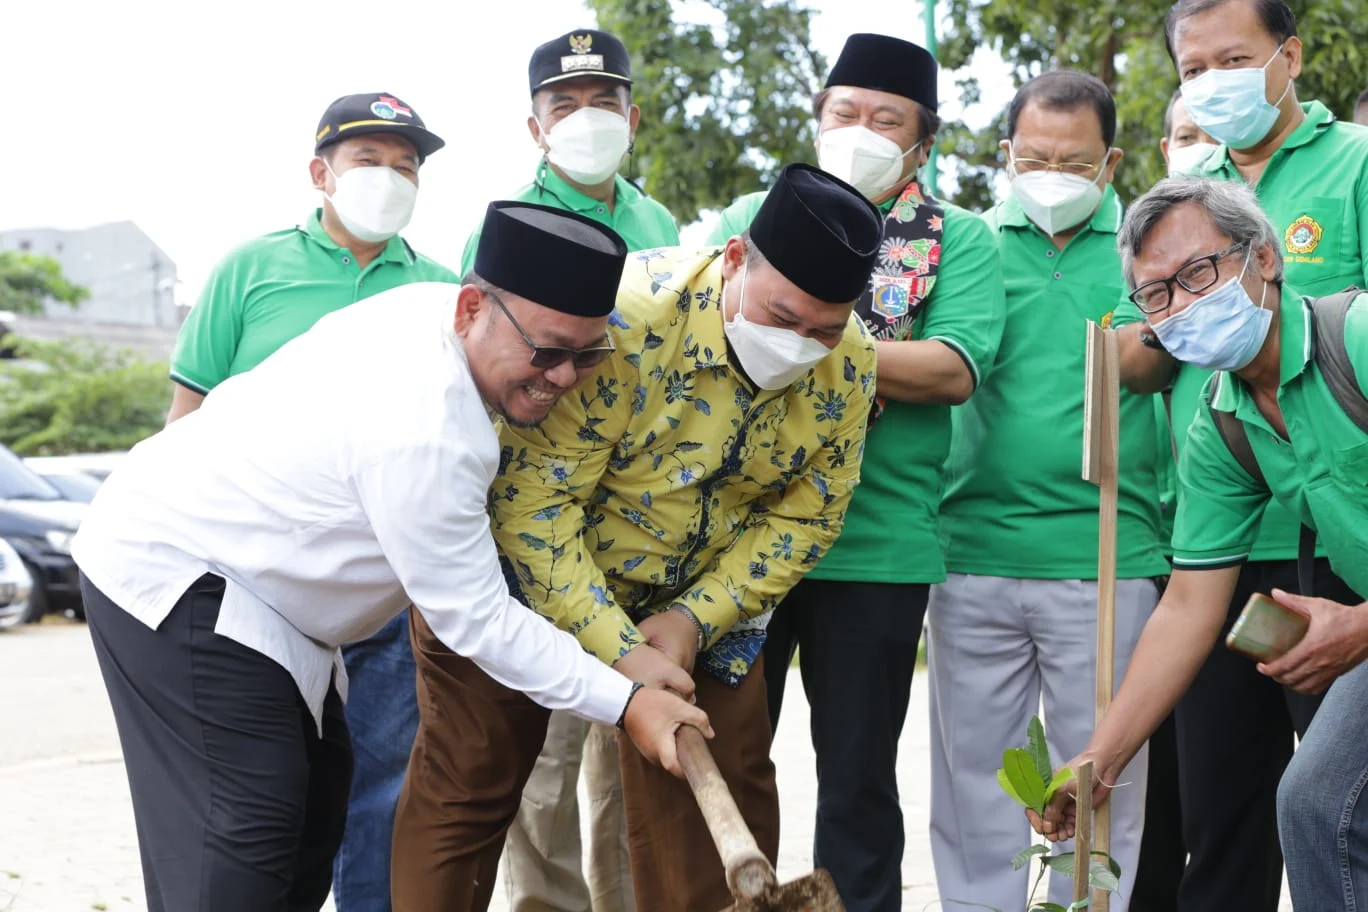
{"x":342,"y":478}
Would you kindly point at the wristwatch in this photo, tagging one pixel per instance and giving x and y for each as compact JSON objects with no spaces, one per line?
{"x":702,"y":631}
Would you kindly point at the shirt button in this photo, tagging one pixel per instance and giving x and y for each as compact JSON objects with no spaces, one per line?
{"x":1059,"y":275}
{"x":600,"y":210}
{"x":346,"y":261}
{"x":1049,"y":253}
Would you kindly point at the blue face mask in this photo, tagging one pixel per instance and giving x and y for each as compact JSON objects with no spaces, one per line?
{"x":1222,"y":330}
{"x":1231,"y":105}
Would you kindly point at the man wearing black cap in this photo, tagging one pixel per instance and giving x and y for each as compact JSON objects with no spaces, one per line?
{"x":583,"y":119}
{"x":668,"y":504}
{"x":368,"y":150}
{"x":584,"y":122}
{"x":934,"y":305}
{"x":230,"y":556}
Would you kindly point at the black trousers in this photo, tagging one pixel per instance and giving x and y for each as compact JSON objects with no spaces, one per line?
{"x":857,"y":648}
{"x":1235,"y":736}
{"x":1163,"y":854}
{"x":239,"y":804}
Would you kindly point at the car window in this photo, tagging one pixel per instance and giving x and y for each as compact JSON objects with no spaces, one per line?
{"x":19,"y":482}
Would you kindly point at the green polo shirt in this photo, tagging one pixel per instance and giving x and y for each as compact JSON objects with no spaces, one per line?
{"x":1315,"y":192}
{"x":276,"y":287}
{"x":1319,"y":474}
{"x":1016,"y":504}
{"x":891,"y":532}
{"x":640,"y":221}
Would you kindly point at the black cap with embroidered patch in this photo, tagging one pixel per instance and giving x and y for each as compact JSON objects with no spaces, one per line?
{"x":357,"y":115}
{"x":887,"y":64}
{"x":583,"y":52}
{"x":578,"y":261}
{"x":819,"y":232}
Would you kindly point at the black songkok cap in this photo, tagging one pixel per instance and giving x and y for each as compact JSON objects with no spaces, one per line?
{"x":551,"y":257}
{"x":819,"y":232}
{"x":888,"y":65}
{"x":583,"y":52}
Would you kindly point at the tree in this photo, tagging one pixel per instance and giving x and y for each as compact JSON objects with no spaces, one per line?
{"x":725,"y":104}
{"x":1122,"y":43}
{"x":79,"y":397}
{"x":27,"y":280}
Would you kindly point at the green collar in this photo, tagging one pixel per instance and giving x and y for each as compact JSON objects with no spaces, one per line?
{"x":1318,"y":120}
{"x":1106,"y":220}
{"x":553,"y":185}
{"x":1295,"y":353}
{"x":396,"y":251}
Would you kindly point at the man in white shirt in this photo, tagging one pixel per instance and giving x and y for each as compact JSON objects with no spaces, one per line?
{"x":234,"y":552}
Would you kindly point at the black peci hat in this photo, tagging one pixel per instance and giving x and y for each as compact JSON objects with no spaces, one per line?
{"x":551,"y":257}
{"x":584,"y":52}
{"x":819,"y":232}
{"x":889,"y":65}
{"x":357,"y":115}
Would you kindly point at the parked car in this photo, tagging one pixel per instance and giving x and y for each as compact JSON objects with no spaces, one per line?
{"x":15,"y":588}
{"x":39,"y":522}
{"x":96,"y":465}
{"x":75,"y":486}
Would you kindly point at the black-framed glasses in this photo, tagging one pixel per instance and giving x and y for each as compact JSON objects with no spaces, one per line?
{"x":1195,"y":275}
{"x":546,"y":357}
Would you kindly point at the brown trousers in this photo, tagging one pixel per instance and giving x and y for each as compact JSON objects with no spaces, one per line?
{"x":477,"y":741}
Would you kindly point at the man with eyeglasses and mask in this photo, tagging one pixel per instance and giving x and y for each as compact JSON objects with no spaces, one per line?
{"x":934,"y":305}
{"x":232,"y":553}
{"x":1016,"y":617}
{"x":1238,"y":60}
{"x":659,"y":512}
{"x":368,"y":150}
{"x":1206,"y":266}
{"x":584,"y":121}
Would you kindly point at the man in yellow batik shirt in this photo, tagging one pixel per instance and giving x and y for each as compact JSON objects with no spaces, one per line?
{"x":659,"y":513}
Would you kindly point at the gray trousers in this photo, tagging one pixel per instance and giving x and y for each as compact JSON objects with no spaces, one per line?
{"x":996,"y":646}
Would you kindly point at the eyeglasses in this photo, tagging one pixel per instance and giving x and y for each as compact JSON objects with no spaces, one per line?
{"x":1196,"y":276}
{"x":546,"y":357}
{"x":1078,"y":169}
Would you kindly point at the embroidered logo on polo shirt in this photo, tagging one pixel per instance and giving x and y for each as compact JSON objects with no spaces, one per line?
{"x":1303,"y":235}
{"x":580,"y":58}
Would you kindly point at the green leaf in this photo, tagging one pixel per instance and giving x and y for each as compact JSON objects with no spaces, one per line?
{"x":1083,"y":903}
{"x":1027,"y":786}
{"x":1006,"y":785}
{"x":1100,"y":877}
{"x":1061,"y":777}
{"x":1038,"y":749}
{"x":1063,"y":863}
{"x":1024,"y":857}
{"x":1048,"y":907}
{"x":1112,"y":864}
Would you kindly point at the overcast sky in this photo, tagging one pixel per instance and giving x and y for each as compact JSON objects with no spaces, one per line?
{"x":196,"y":120}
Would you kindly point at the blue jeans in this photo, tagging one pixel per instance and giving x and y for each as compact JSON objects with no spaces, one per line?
{"x":382,"y":712}
{"x":1321,"y":822}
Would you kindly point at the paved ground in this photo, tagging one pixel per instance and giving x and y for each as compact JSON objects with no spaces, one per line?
{"x":66,"y":826}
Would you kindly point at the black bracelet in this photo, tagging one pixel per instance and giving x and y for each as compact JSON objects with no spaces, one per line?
{"x":688,"y":613}
{"x":622,"y":719}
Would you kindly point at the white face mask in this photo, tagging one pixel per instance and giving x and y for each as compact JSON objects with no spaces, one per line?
{"x":1055,"y":201}
{"x":588,"y":145}
{"x":772,"y":356}
{"x":870,"y":163}
{"x":372,"y":203}
{"x":1186,"y":158}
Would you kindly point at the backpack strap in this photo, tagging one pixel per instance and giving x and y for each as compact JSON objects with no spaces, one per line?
{"x":1233,"y":434}
{"x":1332,"y":355}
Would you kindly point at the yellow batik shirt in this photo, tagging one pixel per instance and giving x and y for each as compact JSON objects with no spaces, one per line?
{"x":667,"y":477}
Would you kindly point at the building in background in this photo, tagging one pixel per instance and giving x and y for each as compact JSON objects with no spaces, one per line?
{"x":132,"y":282}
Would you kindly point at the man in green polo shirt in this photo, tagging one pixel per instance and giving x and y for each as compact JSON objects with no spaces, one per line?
{"x":935,"y":308}
{"x":1016,"y":617}
{"x":368,"y":150}
{"x":1207,"y":268}
{"x":583,"y":119}
{"x":1310,"y":173}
